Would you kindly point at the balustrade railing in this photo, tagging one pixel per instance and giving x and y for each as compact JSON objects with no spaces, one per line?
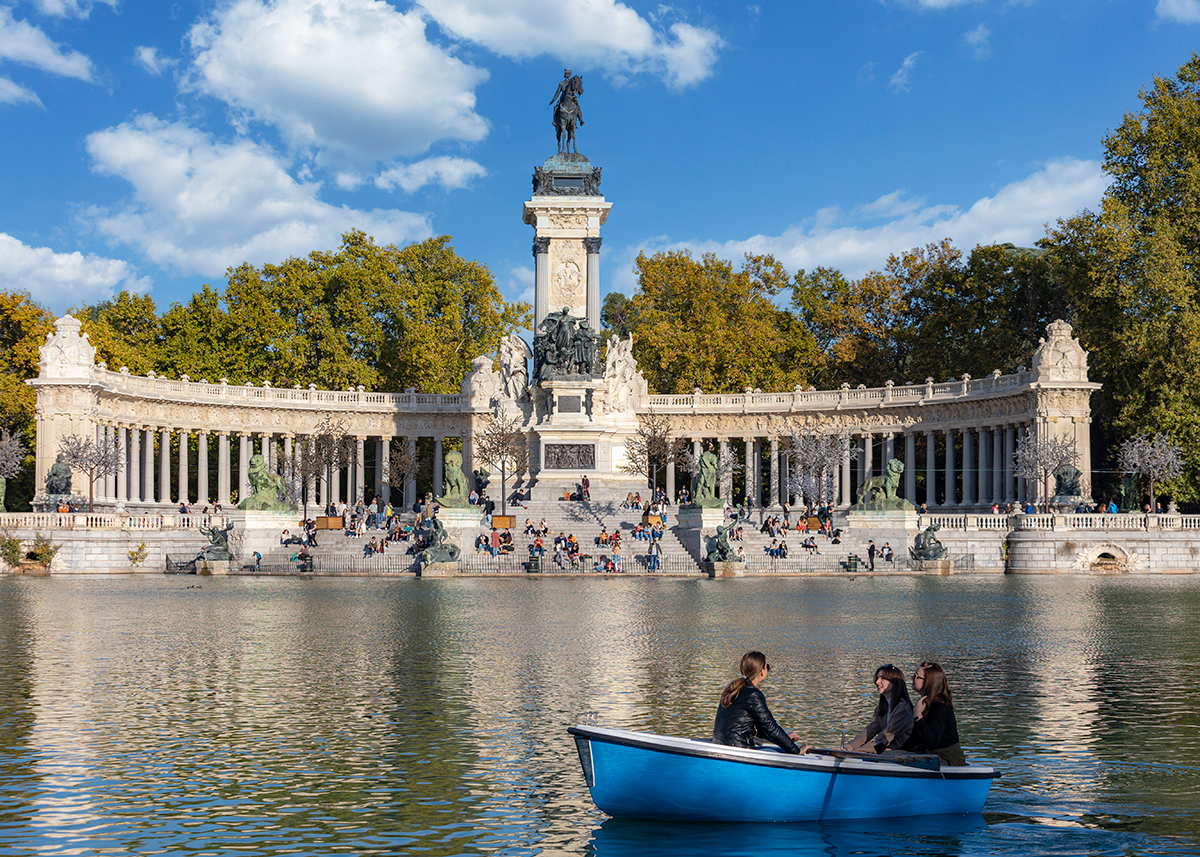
{"x":106,"y":521}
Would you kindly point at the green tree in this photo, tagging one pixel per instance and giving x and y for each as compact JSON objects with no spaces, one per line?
{"x":125,"y":331}
{"x":23,"y":328}
{"x":700,"y":324}
{"x":1134,"y":271}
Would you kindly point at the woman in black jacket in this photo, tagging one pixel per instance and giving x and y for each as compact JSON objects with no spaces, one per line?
{"x":743,"y":714}
{"x":934,"y":727}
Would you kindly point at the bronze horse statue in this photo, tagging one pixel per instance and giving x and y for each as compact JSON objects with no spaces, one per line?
{"x":567,"y":113}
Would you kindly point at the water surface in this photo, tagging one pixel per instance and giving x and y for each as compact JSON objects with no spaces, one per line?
{"x":143,"y":715}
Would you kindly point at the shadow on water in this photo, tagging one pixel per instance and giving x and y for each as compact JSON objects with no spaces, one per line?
{"x":951,"y":834}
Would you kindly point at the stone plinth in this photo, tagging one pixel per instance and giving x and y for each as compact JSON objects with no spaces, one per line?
{"x":898,"y":529}
{"x":214,"y":567}
{"x":943,"y":567}
{"x":726,"y":569}
{"x":462,"y":525}
{"x":695,"y":526}
{"x":438,"y":569}
{"x":258,"y":531}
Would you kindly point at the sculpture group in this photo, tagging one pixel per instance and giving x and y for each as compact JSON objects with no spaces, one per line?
{"x":565,"y":345}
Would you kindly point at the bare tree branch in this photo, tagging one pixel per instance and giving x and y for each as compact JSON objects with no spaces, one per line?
{"x":652,"y":448}
{"x":1041,"y":458}
{"x":503,"y":444}
{"x":1155,"y":457}
{"x":94,"y":459}
{"x":814,"y":461}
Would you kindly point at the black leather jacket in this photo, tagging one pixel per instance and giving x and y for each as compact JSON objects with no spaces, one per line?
{"x":747,"y":717}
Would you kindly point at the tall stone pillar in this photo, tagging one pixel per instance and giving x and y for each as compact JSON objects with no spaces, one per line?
{"x":384,"y":457}
{"x":202,"y":493}
{"x":1021,"y":489}
{"x":184,"y":479}
{"x":360,"y":471}
{"x":868,"y":464}
{"x":997,"y":465}
{"x":438,"y":477}
{"x":164,"y":464}
{"x":951,"y":487}
{"x":749,"y":471}
{"x":670,"y":481}
{"x":592,"y":246}
{"x":844,"y":496}
{"x":1010,"y":493}
{"x":982,"y":480}
{"x":889,"y":450}
{"x":930,"y":470}
{"x":289,"y":459}
{"x":468,"y":457}
{"x":410,"y":484}
{"x":223,"y":469}
{"x":541,"y":279}
{"x":910,"y":467}
{"x":110,"y":479}
{"x":968,"y":458}
{"x":123,"y":475}
{"x":135,"y":465}
{"x":148,"y":464}
{"x":244,"y":445}
{"x":774,"y":473}
{"x":697,"y":447}
{"x":726,"y":486}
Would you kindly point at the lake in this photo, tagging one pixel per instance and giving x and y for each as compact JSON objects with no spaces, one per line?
{"x":183,"y":715}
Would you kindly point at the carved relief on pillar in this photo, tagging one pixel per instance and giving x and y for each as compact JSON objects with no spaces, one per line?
{"x":568,"y":220}
{"x":568,"y":279}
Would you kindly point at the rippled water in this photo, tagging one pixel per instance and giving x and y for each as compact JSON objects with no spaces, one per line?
{"x":143,"y":715}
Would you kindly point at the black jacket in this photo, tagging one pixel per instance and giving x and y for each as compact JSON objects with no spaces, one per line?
{"x":747,"y":717}
{"x":935,"y":730}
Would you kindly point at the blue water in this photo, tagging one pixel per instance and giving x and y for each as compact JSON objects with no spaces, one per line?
{"x":142,"y":715}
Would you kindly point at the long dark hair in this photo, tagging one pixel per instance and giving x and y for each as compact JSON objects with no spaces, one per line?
{"x":936,"y":687}
{"x":899,"y":689}
{"x":752,"y":664}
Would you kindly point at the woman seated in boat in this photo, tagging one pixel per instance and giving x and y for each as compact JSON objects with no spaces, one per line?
{"x":892,"y":724}
{"x":934,"y":727}
{"x":743,"y":714}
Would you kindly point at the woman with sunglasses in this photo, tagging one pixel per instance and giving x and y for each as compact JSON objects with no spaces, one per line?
{"x":934,"y":727}
{"x":892,"y":723}
{"x":743,"y":713}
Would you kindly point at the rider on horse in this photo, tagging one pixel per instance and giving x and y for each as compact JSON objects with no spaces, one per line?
{"x":567,"y":112}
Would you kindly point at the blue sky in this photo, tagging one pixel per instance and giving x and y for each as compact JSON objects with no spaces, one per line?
{"x":151,"y":144}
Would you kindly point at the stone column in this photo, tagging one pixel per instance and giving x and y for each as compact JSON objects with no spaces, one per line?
{"x":671,"y":481}
{"x":967,"y":459}
{"x":385,"y":456}
{"x":110,"y":480}
{"x":541,"y":281}
{"x":592,"y":245}
{"x":1021,"y":490}
{"x":164,"y":464}
{"x":774,"y":473}
{"x":750,"y":469}
{"x":289,"y":459}
{"x":468,"y":457}
{"x":438,"y":477}
{"x":930,"y":470}
{"x":123,"y":475}
{"x":244,"y":446}
{"x":360,"y":470}
{"x":982,"y":472}
{"x":184,"y":494}
{"x":135,"y":465}
{"x":223,"y":469}
{"x":889,"y":450}
{"x":726,"y":486}
{"x":844,"y":496}
{"x":326,"y":498}
{"x":868,"y":464}
{"x":410,"y":484}
{"x":1010,"y":493}
{"x":951,"y":488}
{"x":202,"y":494}
{"x":997,"y":465}
{"x":697,"y":447}
{"x":910,"y":467}
{"x":264,"y":449}
{"x":148,"y":465}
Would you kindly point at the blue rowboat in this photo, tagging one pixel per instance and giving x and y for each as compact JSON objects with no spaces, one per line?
{"x":641,"y":775}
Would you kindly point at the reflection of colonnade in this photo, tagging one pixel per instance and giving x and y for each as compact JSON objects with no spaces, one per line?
{"x":186,"y":441}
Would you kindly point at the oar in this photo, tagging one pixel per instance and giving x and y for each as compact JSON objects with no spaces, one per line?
{"x":930,"y":762}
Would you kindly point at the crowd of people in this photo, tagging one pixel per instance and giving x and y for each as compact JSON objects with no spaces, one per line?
{"x":897,"y":725}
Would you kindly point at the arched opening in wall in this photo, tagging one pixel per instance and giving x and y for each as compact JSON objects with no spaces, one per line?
{"x":1106,"y":563}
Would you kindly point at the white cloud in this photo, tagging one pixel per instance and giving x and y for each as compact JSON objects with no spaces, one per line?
{"x":450,"y":173}
{"x":14,"y":93}
{"x":856,"y":244}
{"x":866,"y":74}
{"x":70,"y":8}
{"x":24,"y":43}
{"x":941,"y":4}
{"x":901,"y":81}
{"x":60,"y":279}
{"x":150,"y":60}
{"x":603,"y":34}
{"x":354,"y":77}
{"x":980,"y":41}
{"x":1184,"y":11}
{"x":201,"y":206}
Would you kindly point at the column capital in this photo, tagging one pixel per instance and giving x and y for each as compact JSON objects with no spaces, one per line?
{"x":592,"y":244}
{"x":541,"y":245}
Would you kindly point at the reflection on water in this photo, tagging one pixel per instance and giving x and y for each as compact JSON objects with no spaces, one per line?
{"x":377,"y":716}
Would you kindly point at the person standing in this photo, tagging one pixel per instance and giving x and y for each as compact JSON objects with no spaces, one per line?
{"x":655,"y":552}
{"x":871,"y":551}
